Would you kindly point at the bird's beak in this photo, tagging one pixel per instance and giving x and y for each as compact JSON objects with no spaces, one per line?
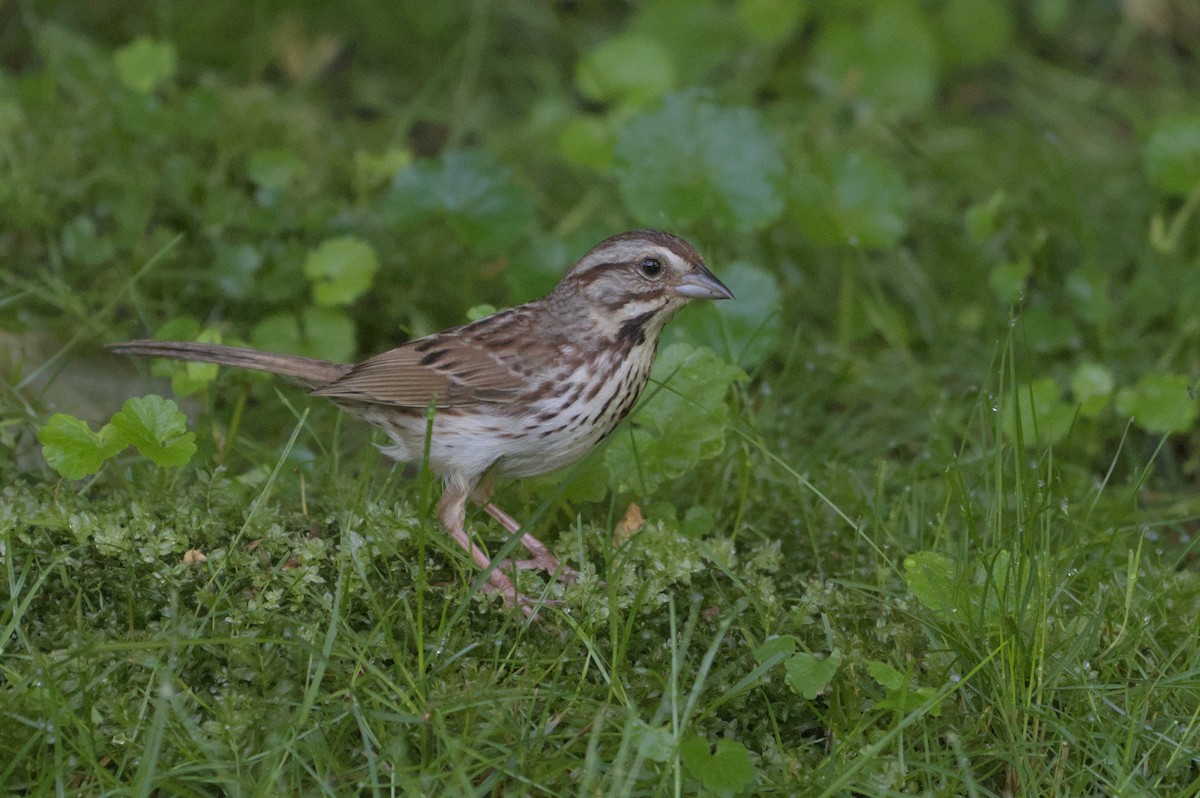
{"x":700,"y":283}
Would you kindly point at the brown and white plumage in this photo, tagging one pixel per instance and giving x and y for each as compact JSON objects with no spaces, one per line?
{"x":522,"y":392}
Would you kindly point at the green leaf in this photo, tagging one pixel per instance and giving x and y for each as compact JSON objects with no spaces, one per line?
{"x":725,"y":769}
{"x":468,"y":190}
{"x":676,"y":425}
{"x":627,"y":68}
{"x":933,"y":578}
{"x":1092,"y":385}
{"x":341,"y":270}
{"x":1172,"y":154}
{"x":781,"y":647}
{"x":323,"y":333}
{"x":145,"y":64}
{"x":809,"y":676}
{"x":157,"y":428}
{"x":1159,"y":403}
{"x":902,"y":696}
{"x":1046,"y":416}
{"x":72,"y":449}
{"x":745,"y":331}
{"x":693,"y":163}
{"x":885,"y":674}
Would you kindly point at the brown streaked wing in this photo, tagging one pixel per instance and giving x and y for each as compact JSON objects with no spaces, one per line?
{"x":440,"y":368}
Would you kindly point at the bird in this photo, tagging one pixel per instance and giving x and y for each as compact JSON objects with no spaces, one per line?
{"x":517,"y":394}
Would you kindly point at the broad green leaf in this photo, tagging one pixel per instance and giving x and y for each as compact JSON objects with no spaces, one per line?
{"x":1046,"y":416}
{"x":73,"y":449}
{"x":809,"y":676}
{"x":725,"y":768}
{"x":745,"y":330}
{"x":323,"y":333}
{"x":341,"y":270}
{"x":157,"y":428}
{"x":1159,"y":403}
{"x":885,"y":674}
{"x":1091,"y":386}
{"x":145,"y":64}
{"x":783,"y":646}
{"x":693,"y":163}
{"x":933,"y":578}
{"x":680,"y":421}
{"x":470,"y":191}
{"x":1172,"y":154}
{"x":627,"y":68}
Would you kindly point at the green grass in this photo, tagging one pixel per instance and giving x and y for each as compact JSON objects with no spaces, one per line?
{"x":936,"y":534}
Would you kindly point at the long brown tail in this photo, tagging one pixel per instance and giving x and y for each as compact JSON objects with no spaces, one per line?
{"x":313,"y":372}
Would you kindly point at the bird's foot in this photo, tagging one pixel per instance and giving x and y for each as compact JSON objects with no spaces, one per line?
{"x":542,"y":560}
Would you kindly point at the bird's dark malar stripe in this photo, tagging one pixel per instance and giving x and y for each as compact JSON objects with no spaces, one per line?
{"x":633,"y":331}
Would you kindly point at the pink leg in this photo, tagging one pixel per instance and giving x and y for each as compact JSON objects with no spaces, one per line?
{"x":542,"y":559}
{"x":452,"y":512}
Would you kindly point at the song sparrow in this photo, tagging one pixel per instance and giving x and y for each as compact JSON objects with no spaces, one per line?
{"x":519,"y":393}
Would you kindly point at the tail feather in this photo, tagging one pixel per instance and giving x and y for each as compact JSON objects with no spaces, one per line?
{"x":314,"y":372}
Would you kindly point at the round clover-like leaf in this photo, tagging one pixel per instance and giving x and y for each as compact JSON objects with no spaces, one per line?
{"x":629,"y":68}
{"x":693,"y":162}
{"x":72,"y":449}
{"x":470,"y":191}
{"x":341,"y":270}
{"x":725,"y":768}
{"x":158,"y":429}
{"x":1159,"y":403}
{"x":144,"y":64}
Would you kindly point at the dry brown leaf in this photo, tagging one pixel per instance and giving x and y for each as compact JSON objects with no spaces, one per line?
{"x":631,"y":523}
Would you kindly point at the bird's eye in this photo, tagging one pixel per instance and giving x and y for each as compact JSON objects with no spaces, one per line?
{"x":651,"y":267}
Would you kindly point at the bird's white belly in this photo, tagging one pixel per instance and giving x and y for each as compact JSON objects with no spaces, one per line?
{"x":549,"y":435}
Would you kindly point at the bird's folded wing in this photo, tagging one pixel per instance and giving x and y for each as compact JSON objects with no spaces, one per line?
{"x":444,"y":370}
